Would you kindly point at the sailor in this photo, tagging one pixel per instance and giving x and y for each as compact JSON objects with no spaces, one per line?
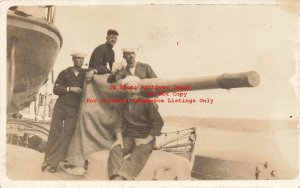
{"x":141,"y":122}
{"x":103,"y":55}
{"x":133,"y":67}
{"x":68,"y":86}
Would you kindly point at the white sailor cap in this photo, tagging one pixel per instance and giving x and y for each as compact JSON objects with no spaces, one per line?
{"x":128,"y":50}
{"x":78,"y":54}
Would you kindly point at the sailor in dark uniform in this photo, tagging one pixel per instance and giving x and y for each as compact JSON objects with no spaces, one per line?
{"x":141,"y":123}
{"x":103,"y":55}
{"x":68,"y":86}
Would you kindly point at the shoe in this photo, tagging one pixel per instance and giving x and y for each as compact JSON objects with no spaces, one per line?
{"x":44,"y":166}
{"x":52,"y":169}
{"x":79,"y":171}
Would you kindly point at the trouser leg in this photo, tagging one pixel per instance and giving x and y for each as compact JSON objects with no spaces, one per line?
{"x":55,"y":129}
{"x":60,"y":146}
{"x":133,"y":165}
{"x":116,"y":156}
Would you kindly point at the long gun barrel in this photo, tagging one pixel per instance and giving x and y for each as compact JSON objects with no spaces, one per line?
{"x":224,"y":81}
{"x":156,"y":85}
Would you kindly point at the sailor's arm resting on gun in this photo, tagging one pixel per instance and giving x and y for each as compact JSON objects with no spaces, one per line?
{"x":117,"y":72}
{"x":96,"y":65}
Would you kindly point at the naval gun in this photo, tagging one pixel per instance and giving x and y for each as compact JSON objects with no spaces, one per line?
{"x":100,"y":99}
{"x":101,"y":116}
{"x":156,"y":85}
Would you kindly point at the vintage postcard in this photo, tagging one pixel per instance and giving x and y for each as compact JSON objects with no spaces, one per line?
{"x":150,"y":93}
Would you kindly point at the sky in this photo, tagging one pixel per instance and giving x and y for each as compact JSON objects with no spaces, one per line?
{"x":182,"y":41}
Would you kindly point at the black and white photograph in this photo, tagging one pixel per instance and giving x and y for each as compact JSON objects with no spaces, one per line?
{"x":151,"y":91}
